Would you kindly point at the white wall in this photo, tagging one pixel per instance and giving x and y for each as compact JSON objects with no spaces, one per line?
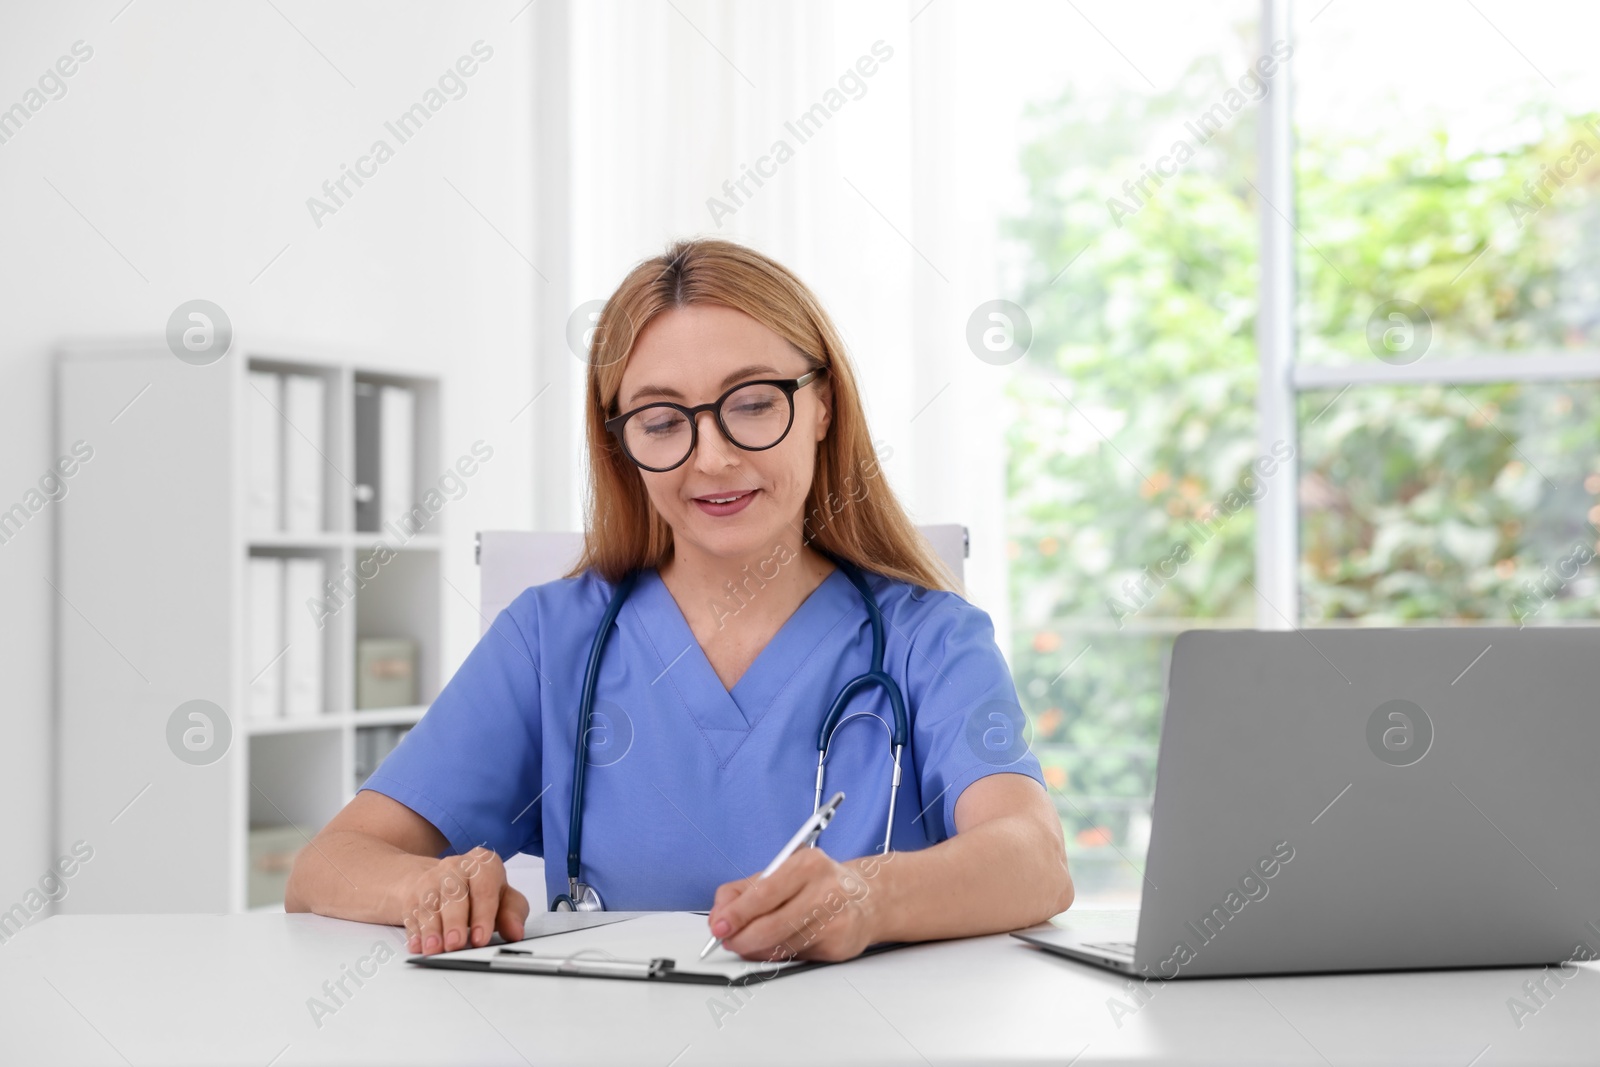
{"x":176,"y":166}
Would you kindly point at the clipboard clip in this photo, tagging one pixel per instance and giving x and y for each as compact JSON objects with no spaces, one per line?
{"x":521,"y":959}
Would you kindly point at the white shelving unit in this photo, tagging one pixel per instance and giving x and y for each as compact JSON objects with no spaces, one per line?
{"x":151,"y":572}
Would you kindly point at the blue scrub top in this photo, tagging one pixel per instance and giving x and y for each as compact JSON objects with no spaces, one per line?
{"x":689,"y":784}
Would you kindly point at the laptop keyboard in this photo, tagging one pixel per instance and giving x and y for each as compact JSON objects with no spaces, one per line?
{"x":1114,"y":948}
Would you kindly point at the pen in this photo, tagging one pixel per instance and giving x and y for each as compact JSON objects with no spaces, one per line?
{"x":808,"y":833}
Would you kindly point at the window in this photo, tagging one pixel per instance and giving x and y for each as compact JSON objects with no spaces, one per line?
{"x":1407,"y":254}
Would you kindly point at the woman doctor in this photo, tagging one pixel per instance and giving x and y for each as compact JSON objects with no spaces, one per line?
{"x":733,"y":478}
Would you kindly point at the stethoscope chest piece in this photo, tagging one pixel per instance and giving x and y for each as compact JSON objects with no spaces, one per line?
{"x":587,"y":898}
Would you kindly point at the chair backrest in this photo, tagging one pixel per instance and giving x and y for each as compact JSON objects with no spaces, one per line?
{"x":509,"y":561}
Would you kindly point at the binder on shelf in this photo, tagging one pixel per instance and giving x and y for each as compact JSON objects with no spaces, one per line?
{"x":264,"y":448}
{"x":366,"y":423}
{"x":303,"y":662}
{"x":397,"y":427}
{"x":304,"y":399}
{"x":264,"y":636}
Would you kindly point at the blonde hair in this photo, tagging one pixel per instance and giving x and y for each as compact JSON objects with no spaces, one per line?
{"x":624,"y":532}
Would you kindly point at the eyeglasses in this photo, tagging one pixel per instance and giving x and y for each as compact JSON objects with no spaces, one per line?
{"x":752,"y":415}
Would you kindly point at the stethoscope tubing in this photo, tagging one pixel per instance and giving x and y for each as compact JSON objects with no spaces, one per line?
{"x":583,"y":897}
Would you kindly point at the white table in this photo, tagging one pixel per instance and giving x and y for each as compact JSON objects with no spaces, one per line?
{"x":233,"y":989}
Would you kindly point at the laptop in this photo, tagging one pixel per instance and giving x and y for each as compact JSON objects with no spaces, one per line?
{"x":1363,"y":800}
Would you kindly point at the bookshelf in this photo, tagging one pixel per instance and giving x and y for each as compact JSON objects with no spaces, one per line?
{"x":154,"y":543}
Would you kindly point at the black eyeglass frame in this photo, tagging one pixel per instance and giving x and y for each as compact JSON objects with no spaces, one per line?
{"x":789,"y":386}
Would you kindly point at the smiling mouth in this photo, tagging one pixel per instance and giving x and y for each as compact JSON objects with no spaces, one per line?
{"x":724,"y":499}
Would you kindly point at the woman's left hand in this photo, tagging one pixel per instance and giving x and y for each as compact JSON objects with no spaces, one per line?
{"x":812,"y":907}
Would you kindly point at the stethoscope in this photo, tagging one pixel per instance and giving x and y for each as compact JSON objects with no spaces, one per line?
{"x":583,"y":897}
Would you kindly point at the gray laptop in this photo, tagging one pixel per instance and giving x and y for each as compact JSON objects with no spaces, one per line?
{"x":1371,"y":799}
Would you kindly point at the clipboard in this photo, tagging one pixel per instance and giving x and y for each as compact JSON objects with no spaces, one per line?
{"x":641,"y":946}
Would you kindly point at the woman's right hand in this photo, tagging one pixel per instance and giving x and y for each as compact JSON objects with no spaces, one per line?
{"x":460,"y":901}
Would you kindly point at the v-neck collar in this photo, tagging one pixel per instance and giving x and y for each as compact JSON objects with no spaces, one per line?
{"x":725,"y":715}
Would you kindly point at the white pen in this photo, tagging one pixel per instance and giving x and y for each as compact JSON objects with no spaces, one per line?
{"x":806,"y":835}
